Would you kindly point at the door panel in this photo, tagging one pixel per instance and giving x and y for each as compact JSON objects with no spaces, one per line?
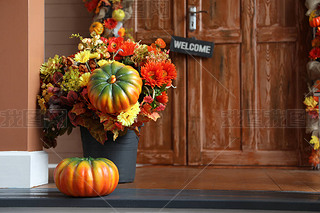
{"x":221,"y":93}
{"x":276,"y":89}
{"x":164,"y":141}
{"x":276,"y":73}
{"x":214,"y":83}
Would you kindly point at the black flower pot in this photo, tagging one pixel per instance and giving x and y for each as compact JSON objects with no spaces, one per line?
{"x":122,"y":151}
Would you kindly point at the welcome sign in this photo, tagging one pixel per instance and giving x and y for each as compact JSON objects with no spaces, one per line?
{"x":191,"y":46}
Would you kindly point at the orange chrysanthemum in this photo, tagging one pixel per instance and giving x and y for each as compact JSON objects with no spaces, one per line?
{"x":160,"y":43}
{"x":170,"y":71}
{"x":127,"y":48}
{"x":153,"y":74}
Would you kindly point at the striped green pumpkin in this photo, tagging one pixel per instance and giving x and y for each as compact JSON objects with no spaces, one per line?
{"x":114,"y":87}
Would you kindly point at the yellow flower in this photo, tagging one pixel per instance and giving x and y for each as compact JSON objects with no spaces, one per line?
{"x":103,"y":62}
{"x":315,"y":141}
{"x":84,"y":79}
{"x":47,"y":95}
{"x":127,"y":118}
{"x":95,"y":55}
{"x":82,"y":56}
{"x":42,"y":103}
{"x":310,"y":102}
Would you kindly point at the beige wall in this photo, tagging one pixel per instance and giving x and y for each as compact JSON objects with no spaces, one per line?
{"x":62,"y":18}
{"x":22,"y":52}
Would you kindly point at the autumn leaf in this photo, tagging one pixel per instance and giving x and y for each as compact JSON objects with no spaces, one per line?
{"x":136,"y":130}
{"x":78,"y":108}
{"x":74,"y":119}
{"x":99,"y":135}
{"x":57,"y":77}
{"x":64,"y":101}
{"x":314,"y":158}
{"x":104,"y":117}
{"x":154,"y":116}
{"x":95,"y":128}
{"x":72,"y":96}
{"x":115,"y":134}
{"x":109,"y":125}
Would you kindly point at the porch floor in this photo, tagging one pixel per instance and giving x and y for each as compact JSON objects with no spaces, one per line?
{"x":222,"y":178}
{"x":160,"y":187}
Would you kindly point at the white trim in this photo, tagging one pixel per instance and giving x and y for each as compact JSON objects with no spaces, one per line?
{"x":22,"y":169}
{"x":52,"y":165}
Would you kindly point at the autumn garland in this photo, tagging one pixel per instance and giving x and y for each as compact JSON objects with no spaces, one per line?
{"x":311,"y":100}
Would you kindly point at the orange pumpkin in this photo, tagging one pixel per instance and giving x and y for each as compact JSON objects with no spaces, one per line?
{"x":86,"y":177}
{"x":97,"y":27}
{"x":315,"y":22}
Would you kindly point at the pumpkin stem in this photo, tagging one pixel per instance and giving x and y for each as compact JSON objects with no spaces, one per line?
{"x":112,"y":79}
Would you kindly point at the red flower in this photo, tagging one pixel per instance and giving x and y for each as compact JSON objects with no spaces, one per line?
{"x":163,"y":98}
{"x":91,"y":5}
{"x":104,"y":40}
{"x":148,"y":99}
{"x":110,"y":23}
{"x":153,"y":74}
{"x":114,"y":44}
{"x":314,"y":53}
{"x":128,"y":48}
{"x":161,"y":107}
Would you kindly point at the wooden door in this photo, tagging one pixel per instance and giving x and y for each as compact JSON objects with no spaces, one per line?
{"x":240,"y":101}
{"x":233,"y":108}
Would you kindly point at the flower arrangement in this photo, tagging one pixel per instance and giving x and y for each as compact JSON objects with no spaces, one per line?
{"x":70,"y":94}
{"x":109,"y":16}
